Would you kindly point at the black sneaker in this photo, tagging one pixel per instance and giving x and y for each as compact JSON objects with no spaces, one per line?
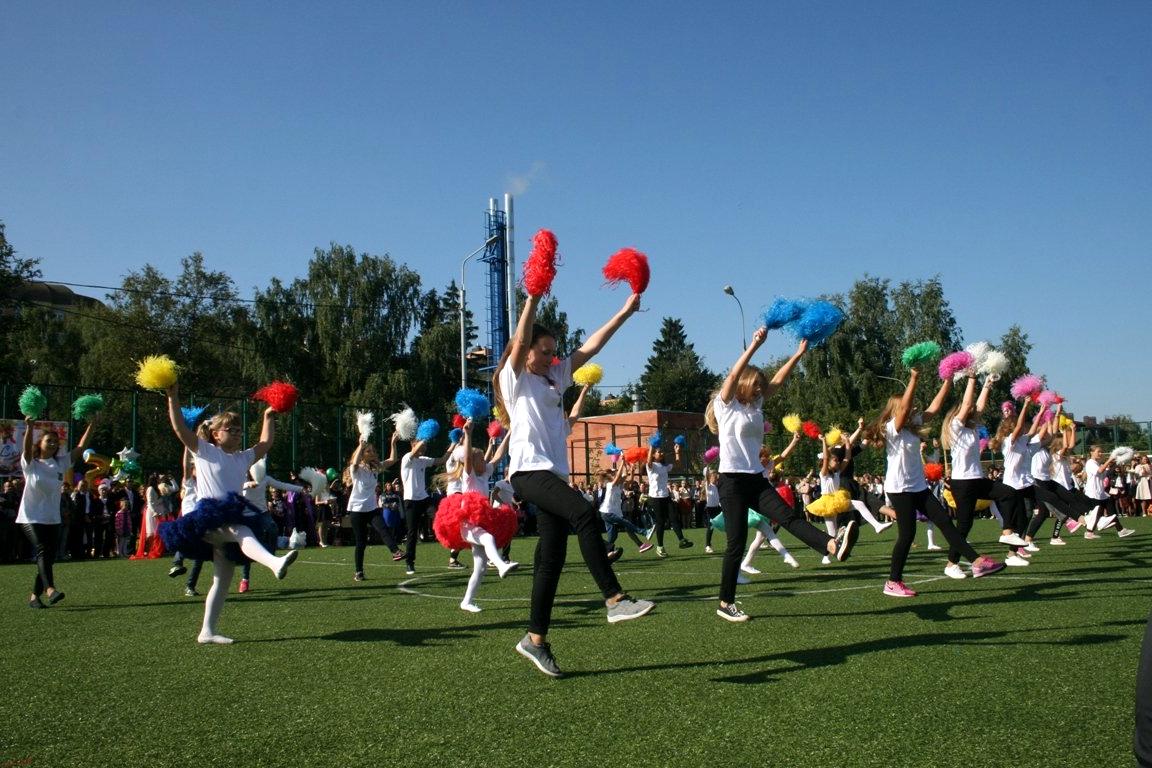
{"x":731,"y":612}
{"x":56,"y":597}
{"x":685,"y":544}
{"x":35,"y":603}
{"x":176,"y":570}
{"x":540,"y":655}
{"x":846,"y":539}
{"x":615,"y":554}
{"x":455,"y":564}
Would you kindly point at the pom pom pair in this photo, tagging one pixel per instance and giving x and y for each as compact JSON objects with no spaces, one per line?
{"x":406,"y":423}
{"x":782,"y":313}
{"x":1027,"y":386}
{"x":280,"y":396}
{"x":814,"y":321}
{"x":628,"y":265}
{"x":427,"y":430}
{"x":32,"y":402}
{"x":540,"y":267}
{"x":588,"y":375}
{"x":473,"y":404}
{"x":920,"y":354}
{"x":156,"y":372}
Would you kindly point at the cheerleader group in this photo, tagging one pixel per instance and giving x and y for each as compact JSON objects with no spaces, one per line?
{"x":220,"y":525}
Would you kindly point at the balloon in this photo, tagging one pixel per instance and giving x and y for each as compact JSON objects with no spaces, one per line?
{"x":100,"y":465}
{"x":331,"y":474}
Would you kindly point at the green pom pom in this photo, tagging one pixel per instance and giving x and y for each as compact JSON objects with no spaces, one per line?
{"x":32,"y":402}
{"x":918,"y":354}
{"x":87,"y":406}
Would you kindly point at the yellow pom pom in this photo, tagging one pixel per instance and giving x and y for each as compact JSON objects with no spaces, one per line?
{"x":950,"y":500}
{"x":791,"y":423}
{"x":156,"y":372}
{"x":497,"y":413}
{"x":588,"y":375}
{"x":833,"y":436}
{"x":831,"y":504}
{"x":1066,"y":422}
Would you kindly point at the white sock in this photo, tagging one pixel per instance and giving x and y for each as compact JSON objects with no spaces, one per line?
{"x":757,"y":540}
{"x":773,"y":540}
{"x":931,"y":534}
{"x":250,"y":546}
{"x":479,"y":568}
{"x":831,"y":526}
{"x":222,"y":569}
{"x":474,"y":535}
{"x":866,"y":513}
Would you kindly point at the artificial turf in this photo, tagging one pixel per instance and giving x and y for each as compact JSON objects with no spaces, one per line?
{"x":1031,"y":667}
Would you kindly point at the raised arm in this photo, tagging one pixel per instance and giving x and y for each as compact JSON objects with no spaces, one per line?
{"x":597,"y":340}
{"x":392,"y":457}
{"x":578,"y":406}
{"x":791,"y":446}
{"x":267,"y":435}
{"x":26,"y":447}
{"x":356,"y":454}
{"x":443,"y":459}
{"x":969,"y":401}
{"x":937,"y":403}
{"x":176,"y":419}
{"x":501,"y":451}
{"x":728,"y":388}
{"x":786,"y":369}
{"x":825,"y":458}
{"x":982,"y":401}
{"x":1020,"y":417}
{"x":905,"y":406}
{"x":856,"y":435}
{"x":78,"y":451}
{"x":521,"y":340}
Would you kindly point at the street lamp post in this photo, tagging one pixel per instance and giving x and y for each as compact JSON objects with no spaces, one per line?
{"x":463,"y":312}
{"x":743,"y":335}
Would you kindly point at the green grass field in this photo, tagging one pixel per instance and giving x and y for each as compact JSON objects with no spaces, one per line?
{"x":1031,"y":667}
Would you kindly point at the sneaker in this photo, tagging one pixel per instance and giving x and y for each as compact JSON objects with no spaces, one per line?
{"x":470,"y":607}
{"x":1015,"y":561}
{"x":707,"y":549}
{"x":510,"y":566}
{"x":765,"y":545}
{"x":826,"y":560}
{"x":358,"y":576}
{"x":455,"y":564}
{"x":286,"y":561}
{"x":35,"y":603}
{"x":685,"y":544}
{"x":955,"y":572}
{"x":540,"y":655}
{"x":791,"y":561}
{"x":1057,"y":542}
{"x":934,"y":547}
{"x":882,"y":527}
{"x":627,"y":608}
{"x":1123,"y":533}
{"x":645,"y":547}
{"x":190,"y":592}
{"x":750,"y":569}
{"x":1024,"y":553}
{"x":411,"y":570}
{"x":742,"y":579}
{"x":1032,"y":547}
{"x":1106,"y":523}
{"x":615,"y":554}
{"x":897,"y":589}
{"x":1072,"y":525}
{"x":985,"y":566}
{"x":1012,"y":540}
{"x":398,"y":555}
{"x":243,"y":586}
{"x":731,"y":612}
{"x":846,"y":540}
{"x":1090,"y":520}
{"x":1090,"y":535}
{"x":661,"y":552}
{"x":176,"y":570}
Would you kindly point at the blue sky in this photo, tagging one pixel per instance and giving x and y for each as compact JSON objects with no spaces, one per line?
{"x":785,"y":148}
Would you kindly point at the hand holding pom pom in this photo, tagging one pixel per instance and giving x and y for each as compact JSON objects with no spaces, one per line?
{"x":540,"y":267}
{"x":495,"y":430}
{"x":920,"y":354}
{"x":655,"y":440}
{"x":156,"y":372}
{"x":1027,"y":386}
{"x":427,"y":430}
{"x":472,"y":403}
{"x":637,"y":454}
{"x":933,"y":472}
{"x":956,"y":364}
{"x":629,"y":265}
{"x":365,"y":424}
{"x":818,"y":322}
{"x":280,"y":396}
{"x":588,"y":375}
{"x":406,"y":423}
{"x":782,"y":312}
{"x":811,"y":430}
{"x":792,"y":423}
{"x":32,"y":402}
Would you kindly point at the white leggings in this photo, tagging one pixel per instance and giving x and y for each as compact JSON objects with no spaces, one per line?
{"x":866,"y":513}
{"x":764,"y":533}
{"x":222,"y":567}
{"x":483,"y":549}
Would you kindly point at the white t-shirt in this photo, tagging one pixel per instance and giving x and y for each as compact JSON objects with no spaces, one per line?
{"x":829,"y":483}
{"x":1041,"y":463}
{"x":412,"y":470}
{"x":456,"y":484}
{"x":613,"y":494}
{"x":473,"y":483}
{"x":711,"y":495}
{"x":43,"y":479}
{"x":965,"y":451}
{"x":741,"y":429}
{"x":905,"y":470}
{"x":1093,"y":480}
{"x":362,"y":498}
{"x":504,"y":493}
{"x":1016,"y":461}
{"x":218,"y":473}
{"x":657,"y":480}
{"x":188,"y":500}
{"x":1062,"y":470}
{"x":538,"y":437}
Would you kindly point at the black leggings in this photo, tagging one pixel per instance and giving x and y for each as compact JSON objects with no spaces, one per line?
{"x":741,"y":491}
{"x":662,"y":513}
{"x":559,"y":506}
{"x":45,"y":539}
{"x":1058,"y":498}
{"x":414,"y":513}
{"x":906,"y":506}
{"x":966,"y":493}
{"x":360,"y":523}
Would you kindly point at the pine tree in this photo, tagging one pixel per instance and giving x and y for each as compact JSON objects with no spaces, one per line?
{"x":674,"y":377}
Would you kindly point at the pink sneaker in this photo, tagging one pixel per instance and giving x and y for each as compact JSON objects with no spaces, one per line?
{"x":1072,"y":526}
{"x":645,"y":546}
{"x":985,"y":566}
{"x":897,"y":589}
{"x":1090,"y":535}
{"x":1024,"y":553}
{"x":243,"y":585}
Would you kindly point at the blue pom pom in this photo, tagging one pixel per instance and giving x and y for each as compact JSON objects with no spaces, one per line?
{"x":473,"y":404}
{"x":983,"y":432}
{"x":428,"y":429}
{"x":192,"y":415}
{"x":819,"y":321}
{"x":681,"y":440}
{"x":455,"y":435}
{"x":782,"y":312}
{"x":655,"y":440}
{"x":612,"y":450}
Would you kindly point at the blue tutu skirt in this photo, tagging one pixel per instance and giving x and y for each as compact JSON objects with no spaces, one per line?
{"x":186,"y":534}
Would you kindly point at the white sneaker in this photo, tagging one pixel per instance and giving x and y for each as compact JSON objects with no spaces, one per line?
{"x":707,"y":549}
{"x":507,"y":569}
{"x":826,"y":561}
{"x":1012,"y":540}
{"x":1056,"y":542}
{"x":765,"y":545}
{"x":470,"y":607}
{"x":1090,"y":520}
{"x":791,"y":561}
{"x":955,"y":572}
{"x":1015,"y":561}
{"x":742,"y":579}
{"x":1106,"y":523}
{"x":934,"y":547}
{"x":1126,"y":532}
{"x":1031,"y":547}
{"x":882,"y":527}
{"x":750,"y":569}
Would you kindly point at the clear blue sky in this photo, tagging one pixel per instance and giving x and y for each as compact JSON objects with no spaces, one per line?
{"x":786,"y":148}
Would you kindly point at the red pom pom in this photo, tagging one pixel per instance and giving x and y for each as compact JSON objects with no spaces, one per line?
{"x":458,"y":421}
{"x":812,"y":429}
{"x":540,"y":268}
{"x":786,"y":493}
{"x":933,"y":472}
{"x":637,"y":454}
{"x":631,"y":265}
{"x":281,"y":395}
{"x":495,"y":429}
{"x":460,"y":508}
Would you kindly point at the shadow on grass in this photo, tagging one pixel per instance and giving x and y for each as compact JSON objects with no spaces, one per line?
{"x":409,"y":637}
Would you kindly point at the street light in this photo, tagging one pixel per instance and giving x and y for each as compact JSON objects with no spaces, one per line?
{"x":743,"y":336}
{"x":463,"y":312}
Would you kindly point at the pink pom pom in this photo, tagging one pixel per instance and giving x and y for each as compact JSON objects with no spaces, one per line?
{"x":711,"y":454}
{"x":812,"y":430}
{"x":933,"y":471}
{"x":630,"y":265}
{"x":1048,"y":398}
{"x":954,"y":363}
{"x":540,"y":268}
{"x":983,"y":444}
{"x":1027,"y":386}
{"x":495,"y":429}
{"x":280,"y":395}
{"x":637,"y":454}
{"x":768,"y":427}
{"x":460,"y":508}
{"x":1047,"y":416}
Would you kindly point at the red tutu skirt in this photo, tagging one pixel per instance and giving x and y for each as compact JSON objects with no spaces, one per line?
{"x":472,"y":507}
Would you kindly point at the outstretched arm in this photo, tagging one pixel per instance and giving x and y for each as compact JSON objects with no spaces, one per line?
{"x":937,"y":403}
{"x":597,"y":340}
{"x":905,"y":407}
{"x":969,"y":401}
{"x":782,"y":374}
{"x":728,"y":388}
{"x":267,"y":434}
{"x":176,"y":419}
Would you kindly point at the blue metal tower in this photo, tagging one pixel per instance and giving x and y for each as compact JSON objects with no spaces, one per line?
{"x":496,"y":257}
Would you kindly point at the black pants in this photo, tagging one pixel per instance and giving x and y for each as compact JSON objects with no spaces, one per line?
{"x":360,"y":523}
{"x":44,"y":540}
{"x":906,"y":506}
{"x":966,"y":493}
{"x":558,"y":507}
{"x":1052,"y":495}
{"x":741,"y":491}
{"x":662,"y":512}
{"x":709,"y":513}
{"x":415,"y":510}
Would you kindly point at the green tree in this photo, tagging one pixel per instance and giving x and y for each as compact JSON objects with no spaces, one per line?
{"x":674,"y":377}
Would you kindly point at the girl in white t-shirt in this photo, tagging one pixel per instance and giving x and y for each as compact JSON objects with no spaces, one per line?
{"x":1016,"y":444}
{"x":664,"y":512}
{"x":1051,"y":496}
{"x":413,"y":479}
{"x":736,"y":414}
{"x":361,"y":476}
{"x":45,"y":466}
{"x":907,"y":488}
{"x":529,"y":389}
{"x":220,"y":522}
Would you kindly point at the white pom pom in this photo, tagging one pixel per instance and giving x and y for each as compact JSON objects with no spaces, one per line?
{"x":995,"y":363}
{"x":314,"y":478}
{"x":365,"y":422}
{"x":259,"y":470}
{"x":406,"y":423}
{"x":979,"y":352}
{"x":1122,"y":455}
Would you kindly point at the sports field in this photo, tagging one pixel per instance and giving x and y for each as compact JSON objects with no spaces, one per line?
{"x":1030,"y":667}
